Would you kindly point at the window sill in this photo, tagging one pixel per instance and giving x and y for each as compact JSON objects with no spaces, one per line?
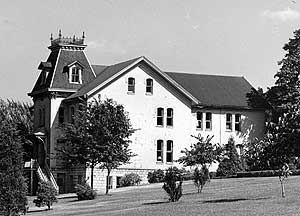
{"x":159,"y":126}
{"x":75,"y":82}
{"x":159,"y":162}
{"x":169,"y":163}
{"x":228,"y":130}
{"x":199,"y":129}
{"x":170,"y":127}
{"x":149,"y":94}
{"x":208,"y":129}
{"x":130,"y":93}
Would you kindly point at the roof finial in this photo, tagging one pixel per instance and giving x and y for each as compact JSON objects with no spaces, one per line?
{"x":51,"y":37}
{"x":59,"y":33}
{"x":83,"y":36}
{"x":73,"y":38}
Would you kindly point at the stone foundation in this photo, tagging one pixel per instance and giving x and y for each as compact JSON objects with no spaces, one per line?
{"x":115,"y":175}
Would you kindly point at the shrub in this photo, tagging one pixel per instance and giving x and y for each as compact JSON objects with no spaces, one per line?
{"x":85,"y":192}
{"x":230,"y":164}
{"x":173,"y":183}
{"x":46,"y":195}
{"x":156,"y":176}
{"x":130,"y":180}
{"x":200,"y":177}
{"x":186,"y":174}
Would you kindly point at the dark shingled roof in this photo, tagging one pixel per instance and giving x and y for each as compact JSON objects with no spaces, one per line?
{"x":99,"y":68}
{"x":102,"y":75}
{"x":214,"y":90}
{"x":52,"y":59}
{"x":66,"y":57}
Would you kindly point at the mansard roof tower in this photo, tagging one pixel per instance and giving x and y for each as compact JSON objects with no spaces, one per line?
{"x":56,"y":77}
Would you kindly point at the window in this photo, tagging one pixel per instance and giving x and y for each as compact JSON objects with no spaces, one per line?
{"x":131,"y":85}
{"x":169,"y":117}
{"x":208,"y":123}
{"x":61,"y":115}
{"x":169,"y":151}
{"x":237,"y":123}
{"x":149,"y":86}
{"x":160,"y":117}
{"x":43,"y":77}
{"x":72,"y":113}
{"x":159,"y":151}
{"x":75,"y":75}
{"x":199,"y":120}
{"x":228,"y":121}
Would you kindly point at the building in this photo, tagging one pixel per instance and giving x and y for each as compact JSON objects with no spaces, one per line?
{"x":166,"y":108}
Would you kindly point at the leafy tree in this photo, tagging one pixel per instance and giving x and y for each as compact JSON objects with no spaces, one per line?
{"x":200,"y":177}
{"x":12,"y":184}
{"x":46,"y":195}
{"x":230,"y":163}
{"x":201,"y":153}
{"x":281,"y":144}
{"x":99,"y":136}
{"x":173,"y":183}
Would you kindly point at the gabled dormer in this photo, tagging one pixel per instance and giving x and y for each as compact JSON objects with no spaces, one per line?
{"x":66,"y":69}
{"x":74,"y":71}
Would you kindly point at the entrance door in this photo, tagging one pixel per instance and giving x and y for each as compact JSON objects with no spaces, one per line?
{"x":61,"y":178}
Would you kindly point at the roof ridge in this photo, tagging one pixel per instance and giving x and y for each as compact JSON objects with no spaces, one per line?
{"x":194,"y":73}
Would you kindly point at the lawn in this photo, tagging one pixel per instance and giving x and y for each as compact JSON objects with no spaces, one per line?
{"x":243,"y":196}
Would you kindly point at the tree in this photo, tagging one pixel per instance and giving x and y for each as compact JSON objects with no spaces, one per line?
{"x":46,"y":195}
{"x":200,"y":177}
{"x":201,"y":153}
{"x":99,"y":136}
{"x":173,"y":183}
{"x":230,"y":163}
{"x":12,"y":184}
{"x":281,"y":143}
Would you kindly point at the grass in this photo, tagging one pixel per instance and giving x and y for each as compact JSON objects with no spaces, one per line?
{"x":244,"y":196}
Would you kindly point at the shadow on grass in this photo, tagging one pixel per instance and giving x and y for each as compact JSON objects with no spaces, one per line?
{"x":155,"y":203}
{"x":232,"y":200}
{"x":38,"y":210}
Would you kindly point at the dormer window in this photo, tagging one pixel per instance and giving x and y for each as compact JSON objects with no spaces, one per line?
{"x":75,"y":75}
{"x":75,"y":72}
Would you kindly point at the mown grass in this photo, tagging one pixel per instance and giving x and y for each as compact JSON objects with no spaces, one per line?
{"x":244,"y":196}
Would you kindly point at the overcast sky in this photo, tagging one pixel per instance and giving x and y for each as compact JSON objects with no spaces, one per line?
{"x":232,"y":37}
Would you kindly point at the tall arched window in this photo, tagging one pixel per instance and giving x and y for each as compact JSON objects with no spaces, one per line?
{"x":160,"y":151}
{"x":169,"y":117}
{"x":160,"y":117}
{"x":149,"y":86}
{"x":131,"y":85}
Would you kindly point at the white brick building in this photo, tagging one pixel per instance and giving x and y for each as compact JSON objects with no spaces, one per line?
{"x":166,"y":108}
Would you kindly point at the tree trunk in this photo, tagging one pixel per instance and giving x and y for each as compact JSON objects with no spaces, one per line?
{"x":92,"y":177}
{"x":282,"y":189}
{"x":107,"y":181}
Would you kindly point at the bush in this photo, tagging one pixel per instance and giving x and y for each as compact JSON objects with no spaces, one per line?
{"x":263,"y":173}
{"x":46,"y":195}
{"x":200,"y":177}
{"x":173,"y":183}
{"x":85,"y":192}
{"x":230,"y":164}
{"x":130,"y":180}
{"x":186,"y":174}
{"x":156,"y":176}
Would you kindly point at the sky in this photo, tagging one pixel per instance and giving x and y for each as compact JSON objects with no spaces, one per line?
{"x":232,"y":37}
